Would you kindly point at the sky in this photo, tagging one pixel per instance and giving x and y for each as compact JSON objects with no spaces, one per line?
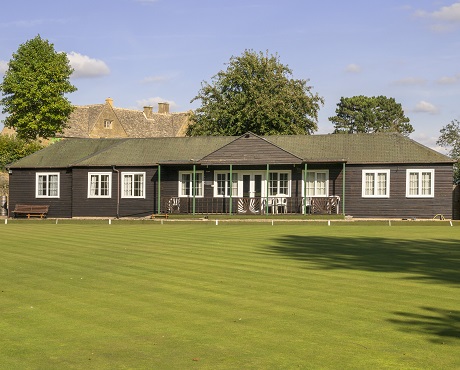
{"x":141,"y":52}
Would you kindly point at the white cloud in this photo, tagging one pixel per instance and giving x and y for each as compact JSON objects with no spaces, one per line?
{"x":427,"y":140}
{"x":155,"y":79}
{"x":449,"y":80}
{"x":448,"y":13}
{"x":86,"y":67}
{"x":3,"y":66}
{"x":426,"y":107}
{"x":353,"y":68}
{"x":444,"y":18}
{"x":153,"y":102}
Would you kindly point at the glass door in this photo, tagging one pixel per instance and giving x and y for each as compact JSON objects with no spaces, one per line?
{"x":252,"y":185}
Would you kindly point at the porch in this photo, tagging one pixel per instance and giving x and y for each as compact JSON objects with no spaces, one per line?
{"x":250,"y":205}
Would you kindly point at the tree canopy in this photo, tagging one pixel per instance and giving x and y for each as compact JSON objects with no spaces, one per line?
{"x":255,"y":93}
{"x":13,"y":148}
{"x":450,"y":139}
{"x":370,"y":114}
{"x":33,"y":90}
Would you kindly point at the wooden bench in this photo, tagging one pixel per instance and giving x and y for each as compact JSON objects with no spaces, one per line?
{"x":164,"y":215}
{"x":31,"y":210}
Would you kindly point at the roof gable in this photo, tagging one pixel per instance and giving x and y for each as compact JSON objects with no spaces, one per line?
{"x":107,"y":124}
{"x":250,"y":149}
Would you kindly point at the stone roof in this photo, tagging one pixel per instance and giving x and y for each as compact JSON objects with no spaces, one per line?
{"x":380,"y":148}
{"x":89,"y":122}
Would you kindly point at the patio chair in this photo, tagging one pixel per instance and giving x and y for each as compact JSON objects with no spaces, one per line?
{"x":281,"y":204}
{"x":174,"y":205}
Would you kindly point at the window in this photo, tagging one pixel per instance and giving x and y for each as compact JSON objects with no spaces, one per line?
{"x":133,"y":185}
{"x":278,"y":183}
{"x":186,"y":186}
{"x":376,"y":184}
{"x":47,"y":185}
{"x":99,"y":185}
{"x":419,"y":183}
{"x":222,"y":184}
{"x":317,"y":184}
{"x":107,"y":124}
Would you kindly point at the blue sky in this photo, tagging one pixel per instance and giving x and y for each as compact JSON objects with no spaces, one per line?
{"x":140,"y":52}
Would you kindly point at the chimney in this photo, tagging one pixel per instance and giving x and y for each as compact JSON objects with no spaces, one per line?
{"x":109,"y":101}
{"x":148,"y":111}
{"x":163,"y":107}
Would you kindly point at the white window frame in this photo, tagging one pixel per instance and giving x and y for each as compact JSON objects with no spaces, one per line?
{"x":199,"y":184}
{"x":235,"y":184}
{"x":278,"y":193}
{"x":130,"y":195}
{"x":47,"y":189}
{"x":108,"y":124}
{"x":98,"y":186}
{"x":376,"y":185}
{"x":420,"y":172}
{"x":316,"y":188}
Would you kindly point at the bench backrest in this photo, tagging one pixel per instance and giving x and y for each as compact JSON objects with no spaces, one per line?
{"x":31,"y":208}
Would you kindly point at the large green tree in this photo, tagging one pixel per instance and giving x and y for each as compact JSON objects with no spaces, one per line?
{"x":255,"y":93}
{"x":33,"y":90}
{"x":370,"y":114}
{"x":450,"y":139}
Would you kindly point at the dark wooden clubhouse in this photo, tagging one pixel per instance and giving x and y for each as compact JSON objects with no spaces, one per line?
{"x":361,"y":175}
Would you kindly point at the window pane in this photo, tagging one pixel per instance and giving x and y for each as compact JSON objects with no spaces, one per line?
{"x":413,"y":183}
{"x":273,"y":184}
{"x":310,"y":184}
{"x":138,"y":185}
{"x":53,"y":185}
{"x":41,"y":185}
{"x":128,"y":185}
{"x":199,"y":184}
{"x":283,"y":185}
{"x":426,"y":183}
{"x":234,"y":184}
{"x":369,"y":184}
{"x":185,"y":184}
{"x":93,"y":185}
{"x":321,"y":183}
{"x":221,"y":183}
{"x":382,"y":184}
{"x":104,"y":187}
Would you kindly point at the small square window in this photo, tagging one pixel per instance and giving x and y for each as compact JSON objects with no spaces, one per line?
{"x":108,"y":124}
{"x":419,"y":183}
{"x":376,"y":184}
{"x":47,"y":185}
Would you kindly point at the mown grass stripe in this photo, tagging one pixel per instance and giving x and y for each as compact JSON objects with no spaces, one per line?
{"x":236,"y":296}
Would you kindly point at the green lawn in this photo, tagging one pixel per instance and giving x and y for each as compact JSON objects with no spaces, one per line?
{"x":198,"y":295}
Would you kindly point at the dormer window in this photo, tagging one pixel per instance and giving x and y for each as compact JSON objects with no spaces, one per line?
{"x":107,"y":124}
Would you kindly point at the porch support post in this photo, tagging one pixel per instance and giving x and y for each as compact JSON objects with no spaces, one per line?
{"x":343,"y":188}
{"x":194,"y":188}
{"x":159,"y":190}
{"x":230,"y":205}
{"x":266,"y":189}
{"x":304,"y":200}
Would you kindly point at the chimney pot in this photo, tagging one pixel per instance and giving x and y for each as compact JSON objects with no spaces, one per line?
{"x":163,"y":107}
{"x":148,"y":111}
{"x":109,"y":101}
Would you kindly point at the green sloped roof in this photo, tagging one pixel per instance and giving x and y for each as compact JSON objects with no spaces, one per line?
{"x":64,"y":153}
{"x":353,"y":149}
{"x":359,"y":148}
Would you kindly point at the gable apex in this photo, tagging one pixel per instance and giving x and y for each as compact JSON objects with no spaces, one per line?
{"x":250,"y":148}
